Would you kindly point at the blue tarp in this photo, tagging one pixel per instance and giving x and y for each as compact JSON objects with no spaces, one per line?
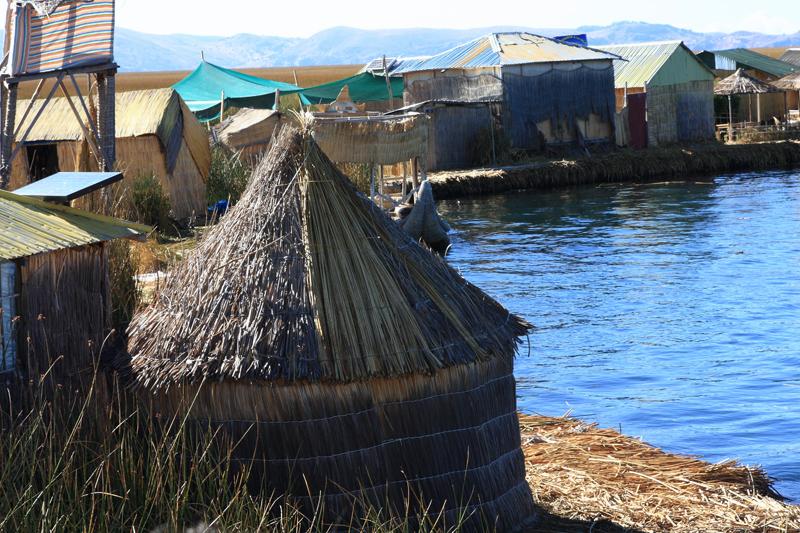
{"x":202,"y":90}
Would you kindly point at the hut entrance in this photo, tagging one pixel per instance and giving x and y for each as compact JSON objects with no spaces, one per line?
{"x":8,"y":341}
{"x":42,"y":160}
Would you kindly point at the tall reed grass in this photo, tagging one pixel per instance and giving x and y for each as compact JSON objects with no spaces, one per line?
{"x":91,"y":462}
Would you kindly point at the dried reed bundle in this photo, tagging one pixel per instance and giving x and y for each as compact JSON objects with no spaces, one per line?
{"x":578,"y":471}
{"x":305,"y":279}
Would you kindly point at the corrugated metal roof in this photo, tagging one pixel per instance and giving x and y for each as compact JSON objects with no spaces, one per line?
{"x":744,"y":58}
{"x":29,"y":227}
{"x":791,"y":56}
{"x":643,"y":61}
{"x":497,"y":49}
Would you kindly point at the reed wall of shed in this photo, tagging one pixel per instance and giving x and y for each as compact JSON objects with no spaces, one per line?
{"x":453,"y":132}
{"x":136,"y":157}
{"x":680,"y":113}
{"x":454,"y":84}
{"x":365,"y":442}
{"x":65,"y":313}
{"x":560,"y":96}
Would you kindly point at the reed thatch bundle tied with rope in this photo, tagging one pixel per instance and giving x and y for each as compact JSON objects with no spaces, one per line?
{"x":352,"y":365}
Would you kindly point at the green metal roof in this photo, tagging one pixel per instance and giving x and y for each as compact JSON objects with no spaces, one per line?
{"x":29,"y":227}
{"x":737,"y":58}
{"x":649,"y":62}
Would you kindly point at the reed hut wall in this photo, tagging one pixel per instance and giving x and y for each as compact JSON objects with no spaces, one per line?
{"x":454,"y":131}
{"x":364,"y":443}
{"x":156,"y":134}
{"x":136,"y":157}
{"x":453,"y":84}
{"x":746,"y":107}
{"x":680,"y":113}
{"x":64,"y":307}
{"x":556,"y":100}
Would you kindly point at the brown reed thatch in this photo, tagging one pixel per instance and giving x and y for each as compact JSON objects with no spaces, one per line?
{"x":789,"y":83}
{"x":305,"y":279}
{"x":311,"y":329}
{"x":250,"y":131}
{"x":740,"y":82}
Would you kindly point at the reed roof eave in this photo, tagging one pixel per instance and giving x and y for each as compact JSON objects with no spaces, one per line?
{"x":741,"y":82}
{"x":306,"y":280}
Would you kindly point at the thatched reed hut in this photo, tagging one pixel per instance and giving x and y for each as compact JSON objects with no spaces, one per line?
{"x":156,"y":133}
{"x":250,"y":131}
{"x":552,"y":92}
{"x":674,"y":91}
{"x":55,"y":304}
{"x":749,"y":90}
{"x":791,"y":84}
{"x":310,"y":326}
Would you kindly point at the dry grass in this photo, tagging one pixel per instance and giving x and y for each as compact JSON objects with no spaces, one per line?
{"x":136,"y":81}
{"x":773,"y":52}
{"x":582,"y":473}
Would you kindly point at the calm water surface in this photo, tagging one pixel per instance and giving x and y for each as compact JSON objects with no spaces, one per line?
{"x":669,"y":310}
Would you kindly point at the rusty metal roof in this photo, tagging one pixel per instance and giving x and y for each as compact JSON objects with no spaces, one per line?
{"x":29,"y":227}
{"x":515,"y":48}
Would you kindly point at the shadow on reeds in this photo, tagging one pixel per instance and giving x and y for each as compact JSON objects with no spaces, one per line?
{"x":550,"y":523}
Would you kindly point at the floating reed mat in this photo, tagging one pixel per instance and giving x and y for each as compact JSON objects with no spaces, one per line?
{"x":309,"y":328}
{"x":622,"y":166}
{"x":596,"y":476}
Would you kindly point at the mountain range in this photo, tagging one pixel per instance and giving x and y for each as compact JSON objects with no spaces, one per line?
{"x":136,"y":51}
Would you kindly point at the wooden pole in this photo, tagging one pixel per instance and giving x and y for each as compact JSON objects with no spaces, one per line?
{"x":491,"y":132}
{"x":730,"y":119}
{"x":221,"y":105}
{"x":9,"y":122}
{"x":758,"y":107}
{"x":388,"y":83}
{"x":277,"y":106}
{"x":785,"y":108}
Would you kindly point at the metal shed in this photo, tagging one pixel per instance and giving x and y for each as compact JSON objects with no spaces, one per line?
{"x":677,"y":90}
{"x":551,"y":92}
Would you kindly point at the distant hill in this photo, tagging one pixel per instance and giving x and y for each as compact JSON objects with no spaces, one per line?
{"x":146,"y":52}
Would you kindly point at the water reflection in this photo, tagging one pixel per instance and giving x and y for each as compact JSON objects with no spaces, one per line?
{"x":670,"y":309}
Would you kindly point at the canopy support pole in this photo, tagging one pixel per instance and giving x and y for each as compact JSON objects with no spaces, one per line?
{"x":221,"y":106}
{"x":9,"y":106}
{"x":730,"y":119}
{"x":758,"y":108}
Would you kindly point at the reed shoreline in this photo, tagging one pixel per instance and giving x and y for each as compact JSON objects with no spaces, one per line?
{"x":619,"y":167}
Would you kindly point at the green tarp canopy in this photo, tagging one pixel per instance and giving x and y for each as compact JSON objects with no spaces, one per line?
{"x":364,"y":87}
{"x":202,"y":90}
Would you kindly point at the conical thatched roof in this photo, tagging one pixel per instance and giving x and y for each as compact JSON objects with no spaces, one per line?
{"x":741,"y":82}
{"x":789,"y":83}
{"x":305,"y":279}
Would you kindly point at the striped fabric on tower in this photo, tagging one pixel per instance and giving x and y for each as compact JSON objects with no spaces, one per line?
{"x":76,"y":33}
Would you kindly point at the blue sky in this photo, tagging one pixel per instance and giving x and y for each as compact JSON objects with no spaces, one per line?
{"x":301,"y":19}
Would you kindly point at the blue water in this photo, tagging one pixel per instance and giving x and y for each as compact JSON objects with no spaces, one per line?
{"x":671,"y":311}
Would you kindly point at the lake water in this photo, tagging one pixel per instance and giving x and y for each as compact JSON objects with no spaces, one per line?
{"x":671,"y":311}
